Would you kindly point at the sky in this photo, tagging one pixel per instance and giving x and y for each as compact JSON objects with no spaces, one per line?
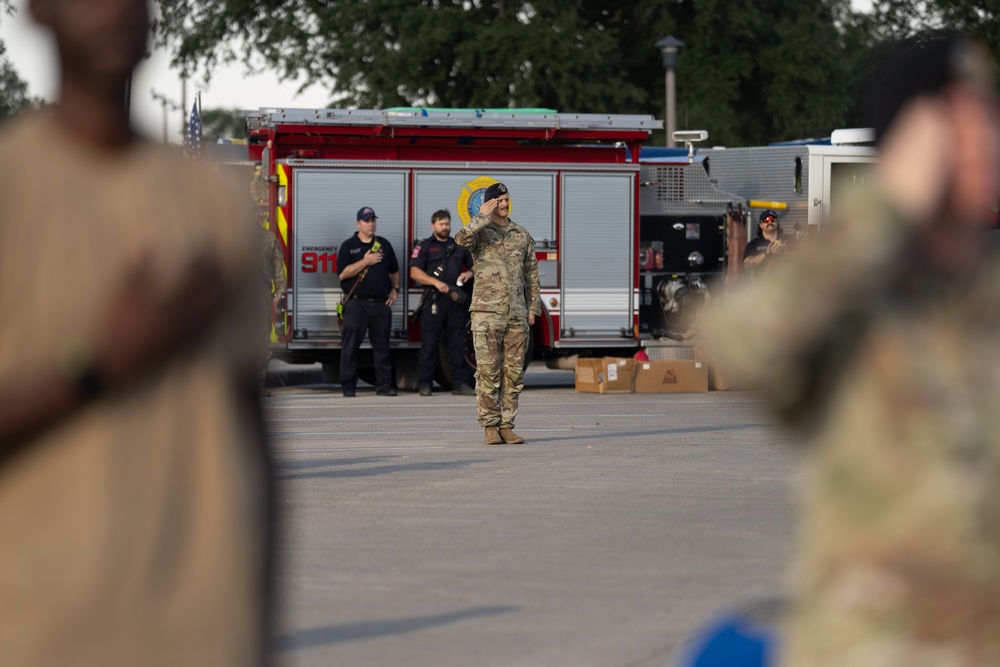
{"x":31,"y":51}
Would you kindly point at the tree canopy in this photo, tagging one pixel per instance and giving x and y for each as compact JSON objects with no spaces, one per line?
{"x":13,"y":89}
{"x":753,"y":71}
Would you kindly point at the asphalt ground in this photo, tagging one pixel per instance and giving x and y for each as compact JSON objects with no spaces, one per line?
{"x":621,"y":526}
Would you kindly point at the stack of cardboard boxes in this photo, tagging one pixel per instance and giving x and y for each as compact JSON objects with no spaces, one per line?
{"x":621,"y":375}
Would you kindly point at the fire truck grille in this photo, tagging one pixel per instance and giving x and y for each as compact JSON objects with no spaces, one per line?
{"x":670,"y":183}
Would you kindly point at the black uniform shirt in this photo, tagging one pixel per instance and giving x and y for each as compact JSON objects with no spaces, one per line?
{"x":758,"y":246}
{"x":430,"y":253}
{"x":377,"y":284}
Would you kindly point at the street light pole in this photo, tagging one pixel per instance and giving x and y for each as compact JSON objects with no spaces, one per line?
{"x":671,"y":48}
{"x":671,"y":108}
{"x":164,"y":102}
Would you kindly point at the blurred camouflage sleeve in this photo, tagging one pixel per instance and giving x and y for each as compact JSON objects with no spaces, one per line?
{"x":788,"y":333}
{"x":277,"y":267}
{"x":532,"y":291}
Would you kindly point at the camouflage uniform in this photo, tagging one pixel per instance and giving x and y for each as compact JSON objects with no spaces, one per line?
{"x":271,"y":272}
{"x":505,"y":292}
{"x":895,"y":375}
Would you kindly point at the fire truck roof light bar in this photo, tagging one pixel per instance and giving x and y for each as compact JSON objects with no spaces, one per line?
{"x":266,"y":117}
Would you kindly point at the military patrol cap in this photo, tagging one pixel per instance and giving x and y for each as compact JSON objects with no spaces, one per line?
{"x":366,"y":213}
{"x":495,"y":191}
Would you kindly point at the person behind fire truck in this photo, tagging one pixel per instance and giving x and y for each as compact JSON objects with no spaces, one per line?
{"x":438,"y":263}
{"x":767,"y":244}
{"x":881,"y":343}
{"x":504,"y":307}
{"x":272,"y":283}
{"x":369,"y":259}
{"x":134,"y":494}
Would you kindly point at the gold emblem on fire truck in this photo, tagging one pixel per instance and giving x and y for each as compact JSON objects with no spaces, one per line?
{"x":471,"y":198}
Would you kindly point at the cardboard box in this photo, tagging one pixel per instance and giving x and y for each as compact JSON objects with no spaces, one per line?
{"x":654,"y":377}
{"x":607,"y":375}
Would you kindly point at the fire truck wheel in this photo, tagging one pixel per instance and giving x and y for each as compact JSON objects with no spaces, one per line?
{"x":331,"y":372}
{"x":443,"y":375}
{"x":406,"y":362}
{"x":367,"y":374}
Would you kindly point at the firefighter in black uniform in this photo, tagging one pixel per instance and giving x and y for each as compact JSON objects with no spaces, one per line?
{"x":369,"y":275}
{"x":443,"y":267}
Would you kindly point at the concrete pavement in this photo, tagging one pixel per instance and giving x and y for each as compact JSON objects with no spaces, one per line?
{"x":623,"y":524}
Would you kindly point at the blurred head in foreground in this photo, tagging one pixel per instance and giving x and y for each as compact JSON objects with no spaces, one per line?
{"x":134,"y":485}
{"x":937,"y":123}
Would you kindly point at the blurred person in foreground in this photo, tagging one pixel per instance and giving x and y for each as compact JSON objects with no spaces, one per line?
{"x":134,"y":504}
{"x":272,"y":284}
{"x":882,"y":343}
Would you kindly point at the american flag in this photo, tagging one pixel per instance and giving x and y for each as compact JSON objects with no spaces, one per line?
{"x":192,"y":135}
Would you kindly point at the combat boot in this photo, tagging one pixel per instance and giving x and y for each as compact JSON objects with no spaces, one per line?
{"x":510,"y":437}
{"x":463,"y":390}
{"x":492,"y":436}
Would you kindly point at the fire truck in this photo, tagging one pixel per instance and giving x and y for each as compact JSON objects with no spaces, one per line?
{"x":628,"y":243}
{"x":686,"y":247}
{"x":574,"y":184}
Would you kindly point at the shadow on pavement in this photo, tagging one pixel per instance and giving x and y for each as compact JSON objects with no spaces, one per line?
{"x":670,"y":431}
{"x":287,"y":465}
{"x":381,"y":470}
{"x":336,"y":634}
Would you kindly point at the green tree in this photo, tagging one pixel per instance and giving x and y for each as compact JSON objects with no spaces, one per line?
{"x":762,"y":72}
{"x":902,"y":18}
{"x":13,"y":89}
{"x":753,"y":71}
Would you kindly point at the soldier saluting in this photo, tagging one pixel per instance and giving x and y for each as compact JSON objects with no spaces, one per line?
{"x":504,"y":305}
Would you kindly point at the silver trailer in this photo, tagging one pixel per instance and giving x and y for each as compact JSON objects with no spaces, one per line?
{"x":802,"y":182}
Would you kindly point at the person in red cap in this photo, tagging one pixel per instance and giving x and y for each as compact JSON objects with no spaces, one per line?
{"x":766,"y":245}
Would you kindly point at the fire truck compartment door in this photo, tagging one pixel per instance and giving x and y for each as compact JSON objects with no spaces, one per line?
{"x":532,"y":199}
{"x":325,"y":206}
{"x":596,"y":248}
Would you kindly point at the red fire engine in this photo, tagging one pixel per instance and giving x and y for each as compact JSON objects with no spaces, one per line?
{"x":574,"y":182}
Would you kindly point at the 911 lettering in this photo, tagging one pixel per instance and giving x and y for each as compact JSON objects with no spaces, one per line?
{"x":324,"y":263}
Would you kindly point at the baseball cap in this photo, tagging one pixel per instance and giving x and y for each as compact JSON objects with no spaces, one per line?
{"x":366,"y":213}
{"x":495,"y":191}
{"x":769,"y":213}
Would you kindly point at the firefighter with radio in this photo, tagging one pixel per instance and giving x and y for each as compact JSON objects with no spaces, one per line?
{"x":443,"y":268}
{"x":369,"y":278}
